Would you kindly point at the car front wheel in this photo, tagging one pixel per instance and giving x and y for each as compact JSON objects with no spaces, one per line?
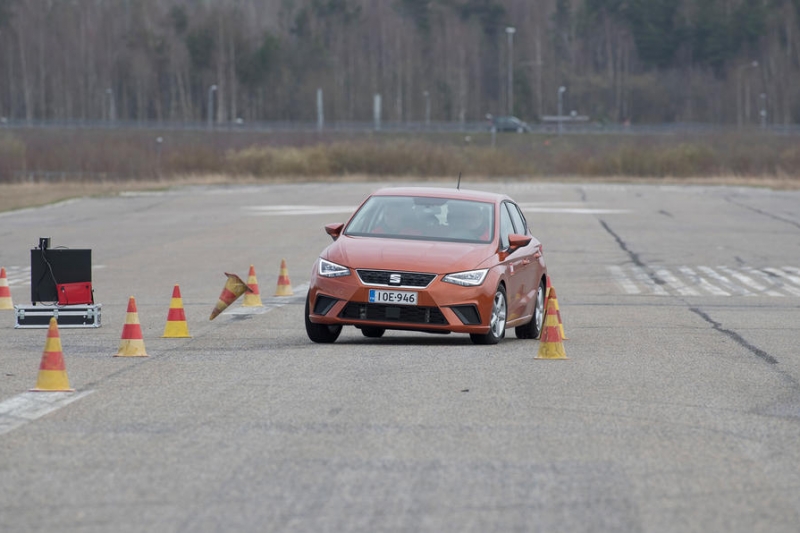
{"x":321,"y":333}
{"x":497,"y":320}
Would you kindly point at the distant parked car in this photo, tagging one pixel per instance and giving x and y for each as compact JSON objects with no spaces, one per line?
{"x":510,"y":124}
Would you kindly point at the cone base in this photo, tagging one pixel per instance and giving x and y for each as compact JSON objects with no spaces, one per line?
{"x":551,"y":351}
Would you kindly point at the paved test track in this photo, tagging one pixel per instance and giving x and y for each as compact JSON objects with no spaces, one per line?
{"x":677,"y":410}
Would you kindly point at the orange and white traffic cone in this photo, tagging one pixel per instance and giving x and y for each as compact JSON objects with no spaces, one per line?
{"x":233,"y":288}
{"x":284,"y":285}
{"x":552,"y":296}
{"x":52,"y":372}
{"x":176,"y":319}
{"x":252,"y":299}
{"x":131,"y":343}
{"x":550,"y":345}
{"x":5,"y":292}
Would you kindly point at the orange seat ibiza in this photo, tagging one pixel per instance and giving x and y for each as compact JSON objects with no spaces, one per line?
{"x":432,"y":260}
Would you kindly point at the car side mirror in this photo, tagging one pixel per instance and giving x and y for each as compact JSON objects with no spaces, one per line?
{"x":515,"y":242}
{"x":334,"y":230}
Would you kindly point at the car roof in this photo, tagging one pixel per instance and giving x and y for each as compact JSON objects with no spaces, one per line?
{"x":442,"y":192}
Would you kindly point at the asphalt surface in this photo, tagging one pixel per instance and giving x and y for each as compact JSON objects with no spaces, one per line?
{"x":678,"y":408}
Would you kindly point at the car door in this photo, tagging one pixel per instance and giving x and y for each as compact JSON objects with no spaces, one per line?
{"x":526,"y":266}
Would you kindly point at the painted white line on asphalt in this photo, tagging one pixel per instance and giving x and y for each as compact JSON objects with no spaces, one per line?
{"x":29,"y":406}
{"x":725,"y":282}
{"x":702,"y":282}
{"x":675,"y":283}
{"x":643,"y":277}
{"x":623,"y":280}
{"x":772,"y":281}
{"x":293,"y":210}
{"x":783,"y":275}
{"x":750,"y":282}
{"x":270,"y":303}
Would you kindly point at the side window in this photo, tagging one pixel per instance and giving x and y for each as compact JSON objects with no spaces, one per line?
{"x":506,"y":226}
{"x":519,"y":220}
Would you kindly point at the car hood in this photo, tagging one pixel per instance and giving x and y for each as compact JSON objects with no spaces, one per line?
{"x":408,"y":255}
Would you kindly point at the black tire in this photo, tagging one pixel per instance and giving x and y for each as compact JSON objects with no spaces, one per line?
{"x":533,"y":329}
{"x":497,"y":321}
{"x":373,"y":333}
{"x":320,"y":333}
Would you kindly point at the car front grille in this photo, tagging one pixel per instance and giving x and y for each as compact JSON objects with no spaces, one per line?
{"x":393,"y":313}
{"x":407,"y":279}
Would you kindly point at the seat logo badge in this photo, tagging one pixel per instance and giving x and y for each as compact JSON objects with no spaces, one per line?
{"x":395,"y":279}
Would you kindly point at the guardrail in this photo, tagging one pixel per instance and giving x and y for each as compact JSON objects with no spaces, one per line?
{"x":548,"y":128}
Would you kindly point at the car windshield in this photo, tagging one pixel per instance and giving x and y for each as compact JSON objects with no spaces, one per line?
{"x":424,"y":218}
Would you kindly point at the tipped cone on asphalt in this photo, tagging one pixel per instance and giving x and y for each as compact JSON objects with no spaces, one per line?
{"x":284,"y":285}
{"x":252,"y":299}
{"x":52,"y":372}
{"x":5,"y":292}
{"x":176,"y":319}
{"x":131,"y":343}
{"x":550,"y":345}
{"x":234,"y":288}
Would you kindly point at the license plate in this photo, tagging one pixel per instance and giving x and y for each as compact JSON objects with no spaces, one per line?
{"x":392,"y":297}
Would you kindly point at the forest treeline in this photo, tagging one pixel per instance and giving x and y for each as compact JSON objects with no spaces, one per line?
{"x":731,"y":62}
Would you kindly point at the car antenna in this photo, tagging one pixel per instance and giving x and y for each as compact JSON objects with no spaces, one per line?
{"x":458,"y":185}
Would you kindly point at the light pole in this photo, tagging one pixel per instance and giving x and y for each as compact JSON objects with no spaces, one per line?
{"x":739,"y":72}
{"x":561,"y":91}
{"x":763,"y":111}
{"x":510,"y":30}
{"x":427,"y":96}
{"x":211,"y":91}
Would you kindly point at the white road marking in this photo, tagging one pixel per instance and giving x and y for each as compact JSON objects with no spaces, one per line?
{"x":675,"y":283}
{"x":270,"y":302}
{"x":623,"y":280}
{"x":774,"y":280}
{"x":702,"y":282}
{"x":750,"y":282}
{"x":29,"y":406}
{"x":643,"y":277}
{"x":784,"y":275}
{"x":725,"y":282}
{"x":295,"y":210}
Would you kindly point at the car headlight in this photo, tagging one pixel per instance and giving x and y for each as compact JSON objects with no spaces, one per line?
{"x":472,"y":278}
{"x":332,"y":270}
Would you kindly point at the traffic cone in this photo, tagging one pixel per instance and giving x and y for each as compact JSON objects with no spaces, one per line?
{"x":5,"y":292}
{"x":131,"y":343}
{"x":52,"y":372}
{"x":234,"y":288}
{"x":284,"y":285}
{"x":552,"y":294}
{"x":252,"y":299}
{"x":176,"y":319}
{"x":550,"y":345}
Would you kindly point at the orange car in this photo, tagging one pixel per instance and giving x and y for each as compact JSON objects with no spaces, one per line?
{"x":432,"y":260}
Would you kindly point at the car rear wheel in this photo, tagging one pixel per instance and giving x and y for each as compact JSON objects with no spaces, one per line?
{"x":497,"y":320}
{"x":533,"y":329}
{"x":321,"y":333}
{"x":373,"y":333}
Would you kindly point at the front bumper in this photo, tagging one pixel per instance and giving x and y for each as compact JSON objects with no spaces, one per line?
{"x":441,"y":307}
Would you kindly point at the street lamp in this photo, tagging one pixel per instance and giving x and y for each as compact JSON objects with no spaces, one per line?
{"x":211,"y":91}
{"x":561,"y":91}
{"x":739,"y":72}
{"x":763,"y":111}
{"x":510,"y":30}
{"x":112,"y":108}
{"x":427,"y":96}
